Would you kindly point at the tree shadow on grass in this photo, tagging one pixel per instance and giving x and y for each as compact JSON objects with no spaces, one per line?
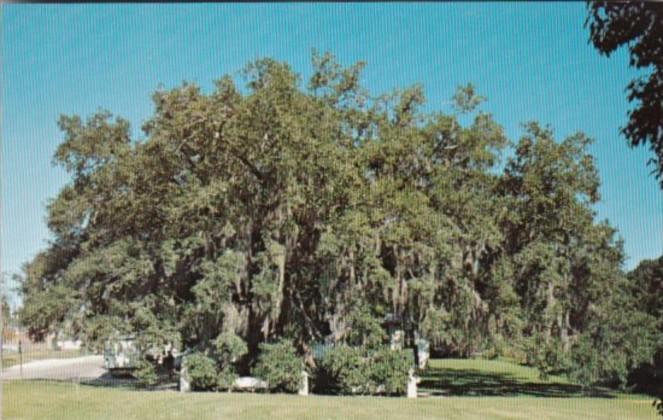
{"x":128,"y":382}
{"x":108,"y":381}
{"x":472,"y":382}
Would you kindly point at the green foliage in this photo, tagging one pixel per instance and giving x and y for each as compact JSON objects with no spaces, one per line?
{"x":343,"y":369}
{"x":216,"y":369}
{"x":658,"y":405}
{"x":280,"y":366}
{"x":201,"y":370}
{"x":145,"y":373}
{"x":248,"y":214}
{"x":636,"y":25}
{"x":599,"y":355}
{"x":466,"y":100}
{"x":365,"y":329}
{"x":356,"y":370}
{"x":226,"y":379}
{"x":548,"y":358}
{"x":645,"y":283}
{"x":230,"y":348}
{"x":389,"y":369}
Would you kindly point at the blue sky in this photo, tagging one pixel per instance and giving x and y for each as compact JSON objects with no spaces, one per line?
{"x":532,"y":62}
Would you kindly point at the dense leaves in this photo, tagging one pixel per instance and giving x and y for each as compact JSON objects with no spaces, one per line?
{"x":201,"y":370}
{"x":639,"y":25}
{"x":646,"y":285}
{"x":348,"y":369}
{"x":250,"y":215}
{"x":280,"y":366}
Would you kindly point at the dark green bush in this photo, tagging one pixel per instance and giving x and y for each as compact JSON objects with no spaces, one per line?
{"x":343,"y":369}
{"x":388,"y":369}
{"x":226,"y":379}
{"x":280,"y":366}
{"x":365,"y":330}
{"x":201,"y":371}
{"x":229,"y":347}
{"x":356,"y":370}
{"x":549,"y":358}
{"x":145,"y":373}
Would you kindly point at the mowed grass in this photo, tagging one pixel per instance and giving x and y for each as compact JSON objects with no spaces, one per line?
{"x":13,"y":358}
{"x":49,"y":400}
{"x":480,"y":377}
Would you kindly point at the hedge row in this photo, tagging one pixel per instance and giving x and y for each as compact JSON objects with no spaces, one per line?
{"x":342,"y":370}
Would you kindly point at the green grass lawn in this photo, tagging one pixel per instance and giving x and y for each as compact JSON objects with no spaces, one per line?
{"x":12,"y":358}
{"x":512,"y":399}
{"x":478,"y":377}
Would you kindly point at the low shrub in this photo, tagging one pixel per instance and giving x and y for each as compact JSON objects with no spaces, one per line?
{"x":201,"y":371}
{"x":280,"y":366}
{"x":146,"y":373}
{"x":343,"y":369}
{"x":388,"y":369}
{"x":226,"y":379}
{"x":356,"y":370}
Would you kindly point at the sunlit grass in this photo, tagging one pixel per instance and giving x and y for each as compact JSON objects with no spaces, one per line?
{"x":510,"y":400}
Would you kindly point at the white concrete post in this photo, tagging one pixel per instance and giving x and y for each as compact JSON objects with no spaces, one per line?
{"x":303,"y":388}
{"x":185,"y":382}
{"x":411,"y":384}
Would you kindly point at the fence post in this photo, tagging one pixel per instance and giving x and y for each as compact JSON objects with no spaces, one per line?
{"x":303,"y":387}
{"x":20,"y":356}
{"x":411,"y":384}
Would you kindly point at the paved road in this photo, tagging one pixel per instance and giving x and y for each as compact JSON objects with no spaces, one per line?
{"x":85,"y":368}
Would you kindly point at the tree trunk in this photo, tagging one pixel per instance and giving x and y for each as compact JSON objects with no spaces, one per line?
{"x":563,"y":323}
{"x":550,"y":302}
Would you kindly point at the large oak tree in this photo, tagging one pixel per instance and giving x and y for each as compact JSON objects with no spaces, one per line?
{"x":315,"y":212}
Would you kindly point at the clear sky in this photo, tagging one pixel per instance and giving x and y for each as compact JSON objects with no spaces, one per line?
{"x":532,"y":62}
